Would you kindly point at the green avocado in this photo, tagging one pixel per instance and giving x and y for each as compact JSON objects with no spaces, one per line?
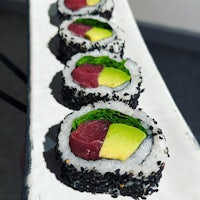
{"x":112,"y":77}
{"x":96,"y":34}
{"x":121,"y":141}
{"x":92,"y":2}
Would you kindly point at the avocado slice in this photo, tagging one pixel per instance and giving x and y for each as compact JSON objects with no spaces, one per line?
{"x":92,"y":2}
{"x":96,"y":34}
{"x":112,"y":77}
{"x":121,"y":141}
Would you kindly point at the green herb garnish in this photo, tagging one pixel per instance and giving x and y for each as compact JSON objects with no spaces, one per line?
{"x":105,"y":61}
{"x":109,"y":115}
{"x":94,"y":23}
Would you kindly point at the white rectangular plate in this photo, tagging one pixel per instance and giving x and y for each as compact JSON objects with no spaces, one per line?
{"x":181,"y":177}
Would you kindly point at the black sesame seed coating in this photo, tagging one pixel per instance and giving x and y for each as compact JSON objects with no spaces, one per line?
{"x":106,"y":14}
{"x":75,"y":102}
{"x":136,"y":185}
{"x":65,"y":52}
{"x":115,"y":184}
{"x":76,"y":99}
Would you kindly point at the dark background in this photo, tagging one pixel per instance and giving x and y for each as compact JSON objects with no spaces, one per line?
{"x":179,"y":67}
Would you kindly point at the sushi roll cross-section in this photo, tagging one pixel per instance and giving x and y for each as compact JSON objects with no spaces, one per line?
{"x":100,"y":75}
{"x":70,"y":8}
{"x":78,"y":4}
{"x":87,"y":33}
{"x":92,"y":72}
{"x":111,"y":148}
{"x":90,"y":29}
{"x":103,"y":134}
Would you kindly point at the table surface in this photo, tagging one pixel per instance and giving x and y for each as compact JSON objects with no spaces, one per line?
{"x":181,"y":176}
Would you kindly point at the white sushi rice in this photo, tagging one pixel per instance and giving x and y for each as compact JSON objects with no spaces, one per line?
{"x":102,"y":7}
{"x":128,"y":89}
{"x":152,"y":150}
{"x":114,"y":43}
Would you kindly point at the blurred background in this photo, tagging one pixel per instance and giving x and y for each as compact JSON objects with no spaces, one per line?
{"x":172,"y":33}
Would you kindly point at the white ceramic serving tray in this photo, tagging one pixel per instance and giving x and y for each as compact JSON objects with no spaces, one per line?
{"x":181,"y":177}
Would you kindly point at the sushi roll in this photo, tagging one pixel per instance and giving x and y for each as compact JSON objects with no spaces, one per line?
{"x":100,"y":75}
{"x":86,"y":34}
{"x":71,"y":8}
{"x":112,"y":149}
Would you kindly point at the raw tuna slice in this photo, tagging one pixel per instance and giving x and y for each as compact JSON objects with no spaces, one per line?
{"x":87,"y":139}
{"x":86,"y":75}
{"x":79,"y":29}
{"x":75,"y":4}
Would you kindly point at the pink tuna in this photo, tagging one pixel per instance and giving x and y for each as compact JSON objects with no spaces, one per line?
{"x":75,"y":4}
{"x":87,"y":139}
{"x":87,"y":75}
{"x":79,"y":29}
